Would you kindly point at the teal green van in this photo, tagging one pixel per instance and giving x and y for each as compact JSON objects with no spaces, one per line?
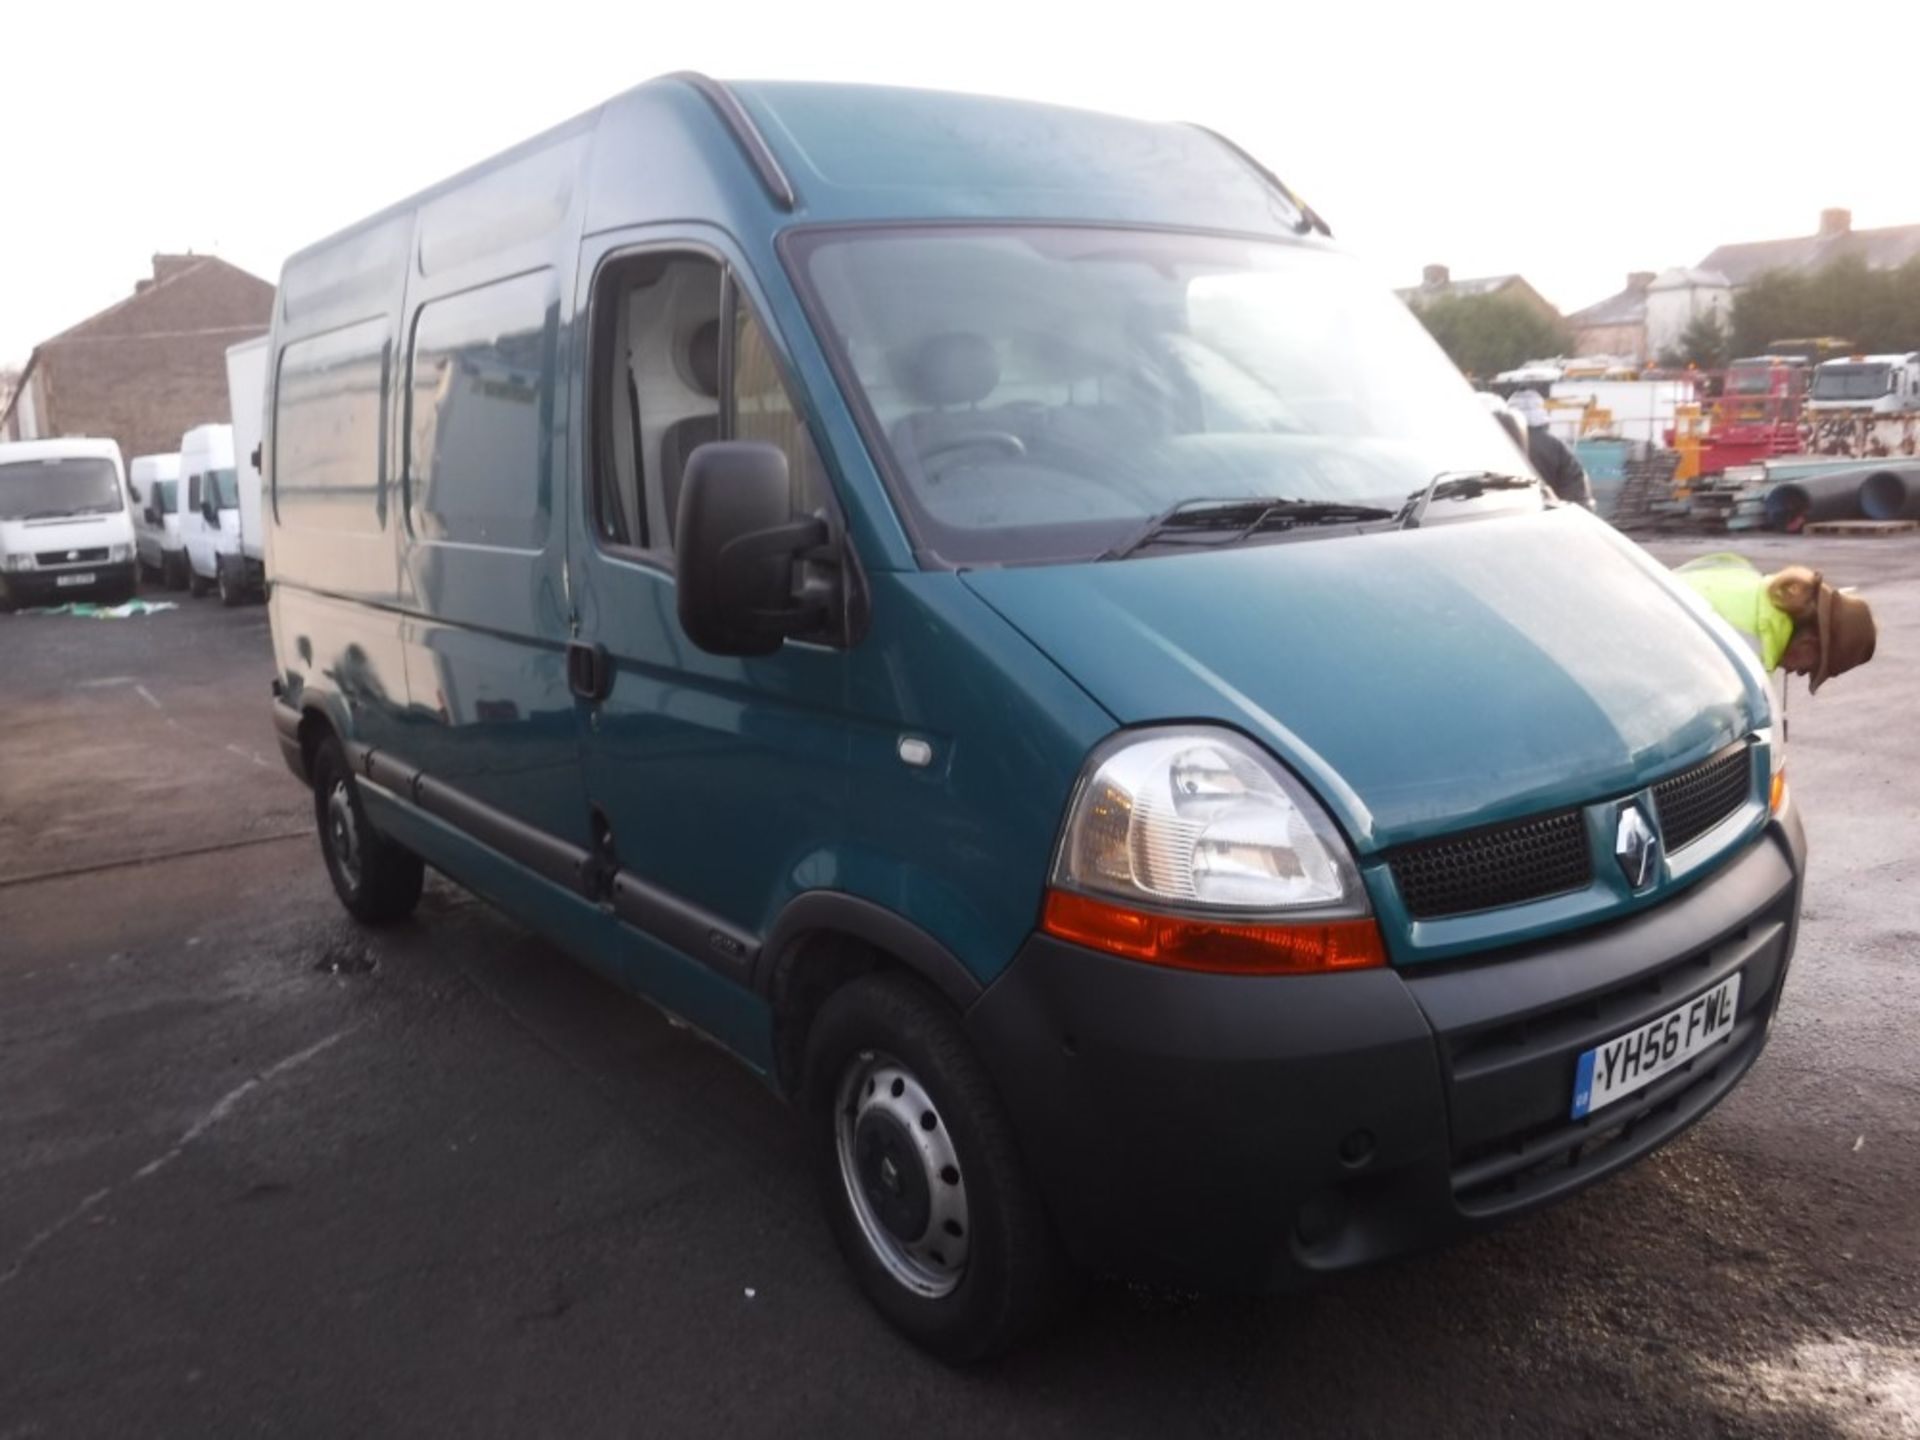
{"x":985,"y":612}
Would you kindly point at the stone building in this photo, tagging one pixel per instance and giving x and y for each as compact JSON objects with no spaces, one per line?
{"x":147,"y":369}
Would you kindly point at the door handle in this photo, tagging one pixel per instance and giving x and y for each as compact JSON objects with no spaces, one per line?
{"x":589,"y":671}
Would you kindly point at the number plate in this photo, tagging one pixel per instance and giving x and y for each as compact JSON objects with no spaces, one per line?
{"x":86,"y":579}
{"x":1622,"y":1065}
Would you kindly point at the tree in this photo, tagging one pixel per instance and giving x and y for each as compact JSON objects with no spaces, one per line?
{"x":1703,"y":343}
{"x":1878,"y":310}
{"x":1485,"y":334}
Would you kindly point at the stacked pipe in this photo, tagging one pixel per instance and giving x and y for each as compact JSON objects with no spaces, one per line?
{"x":1878,"y":492}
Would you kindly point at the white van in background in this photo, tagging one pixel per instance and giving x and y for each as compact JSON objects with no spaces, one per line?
{"x":246,"y":572}
{"x":210,"y":522}
{"x":161,"y":553}
{"x":65,"y":530}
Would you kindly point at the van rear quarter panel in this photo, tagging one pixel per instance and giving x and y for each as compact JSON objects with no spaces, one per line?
{"x":331,"y":540}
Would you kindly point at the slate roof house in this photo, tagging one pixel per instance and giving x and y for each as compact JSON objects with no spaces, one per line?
{"x":1436,"y":281}
{"x":1836,"y":239}
{"x":147,"y":369}
{"x":1616,"y":325}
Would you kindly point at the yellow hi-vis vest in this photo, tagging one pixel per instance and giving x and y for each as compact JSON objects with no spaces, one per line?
{"x":1738,"y":593}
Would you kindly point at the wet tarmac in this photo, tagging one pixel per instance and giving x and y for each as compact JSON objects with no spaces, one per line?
{"x":263,"y":1171}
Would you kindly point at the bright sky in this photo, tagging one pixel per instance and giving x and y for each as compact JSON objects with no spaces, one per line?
{"x":1569,"y":143}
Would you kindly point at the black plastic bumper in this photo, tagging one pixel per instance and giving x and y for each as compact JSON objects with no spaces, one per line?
{"x":1229,"y":1133}
{"x":43,"y":587}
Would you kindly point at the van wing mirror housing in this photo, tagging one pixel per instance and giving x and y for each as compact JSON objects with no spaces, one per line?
{"x":738,"y":547}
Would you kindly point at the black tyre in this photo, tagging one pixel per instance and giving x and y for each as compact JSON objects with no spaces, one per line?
{"x":924,"y":1187}
{"x":378,"y":881}
{"x":174,"y":571}
{"x":229,"y":584}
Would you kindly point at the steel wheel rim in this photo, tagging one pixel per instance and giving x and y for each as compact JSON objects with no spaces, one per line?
{"x":343,"y":834}
{"x":881,"y":1114}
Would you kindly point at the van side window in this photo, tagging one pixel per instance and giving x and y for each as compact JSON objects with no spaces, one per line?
{"x":193,"y":492}
{"x":763,"y":410}
{"x":656,"y":390}
{"x":479,"y":458}
{"x":671,"y":374}
{"x":329,"y":430}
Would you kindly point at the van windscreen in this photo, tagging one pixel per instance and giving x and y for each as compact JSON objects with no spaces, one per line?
{"x":1851,"y":382}
{"x":226,"y":489}
{"x":1035,"y":393}
{"x":58,"y":485}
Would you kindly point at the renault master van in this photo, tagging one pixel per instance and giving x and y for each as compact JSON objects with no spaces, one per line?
{"x":155,"y":484}
{"x":65,"y":530}
{"x":985,"y":612}
{"x":210,"y":520}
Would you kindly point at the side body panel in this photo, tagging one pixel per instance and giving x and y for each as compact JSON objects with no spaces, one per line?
{"x":482,"y":406}
{"x":246,"y":401}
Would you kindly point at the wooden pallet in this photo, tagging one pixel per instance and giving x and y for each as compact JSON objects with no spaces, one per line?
{"x":1866,"y":528}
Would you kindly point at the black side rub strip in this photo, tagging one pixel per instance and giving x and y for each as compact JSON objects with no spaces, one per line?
{"x":666,"y":917}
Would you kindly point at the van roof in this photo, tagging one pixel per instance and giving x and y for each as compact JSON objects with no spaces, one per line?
{"x":157,"y":467}
{"x":207,"y":437}
{"x":684,"y":146}
{"x":1840,"y":360}
{"x":48,"y":449}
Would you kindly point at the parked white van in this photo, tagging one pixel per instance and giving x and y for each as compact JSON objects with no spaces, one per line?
{"x":161,"y":553}
{"x":65,"y":530}
{"x":210,"y":522}
{"x":246,"y":573}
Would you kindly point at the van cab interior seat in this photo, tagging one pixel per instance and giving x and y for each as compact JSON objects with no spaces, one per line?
{"x":683,"y":437}
{"x":951,"y":373}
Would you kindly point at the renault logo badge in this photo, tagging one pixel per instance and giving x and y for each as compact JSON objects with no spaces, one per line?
{"x":1636,"y":847}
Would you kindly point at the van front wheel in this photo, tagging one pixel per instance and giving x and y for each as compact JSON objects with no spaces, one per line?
{"x":378,"y":881}
{"x":924,"y":1187}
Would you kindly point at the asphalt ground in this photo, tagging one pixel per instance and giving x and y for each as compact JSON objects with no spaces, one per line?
{"x":262,"y":1171}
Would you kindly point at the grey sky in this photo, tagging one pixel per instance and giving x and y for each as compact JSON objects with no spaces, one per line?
{"x":1569,"y":143}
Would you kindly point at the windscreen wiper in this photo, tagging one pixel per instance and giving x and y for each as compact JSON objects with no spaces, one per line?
{"x":1225,"y":522}
{"x":1458,"y":485}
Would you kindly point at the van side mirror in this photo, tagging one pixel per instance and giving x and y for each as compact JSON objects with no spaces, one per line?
{"x":210,"y":513}
{"x":153,"y":515}
{"x":738,"y":545}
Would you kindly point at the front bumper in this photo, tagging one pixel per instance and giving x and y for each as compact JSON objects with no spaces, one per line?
{"x":1233,"y":1133}
{"x":43,"y":587}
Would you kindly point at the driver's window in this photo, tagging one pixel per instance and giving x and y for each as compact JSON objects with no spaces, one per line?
{"x":763,"y":410}
{"x":193,"y":493}
{"x":657,"y":386}
{"x":670,"y":375}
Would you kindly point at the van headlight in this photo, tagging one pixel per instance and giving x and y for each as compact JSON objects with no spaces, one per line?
{"x":1192,"y":847}
{"x":18,"y":561}
{"x":119,"y":554}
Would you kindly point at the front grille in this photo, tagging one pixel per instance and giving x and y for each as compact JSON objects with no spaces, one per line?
{"x":1505,"y":865}
{"x":1511,"y":1083}
{"x":1694,"y":801}
{"x":1512,"y":1078}
{"x":47,"y":559}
